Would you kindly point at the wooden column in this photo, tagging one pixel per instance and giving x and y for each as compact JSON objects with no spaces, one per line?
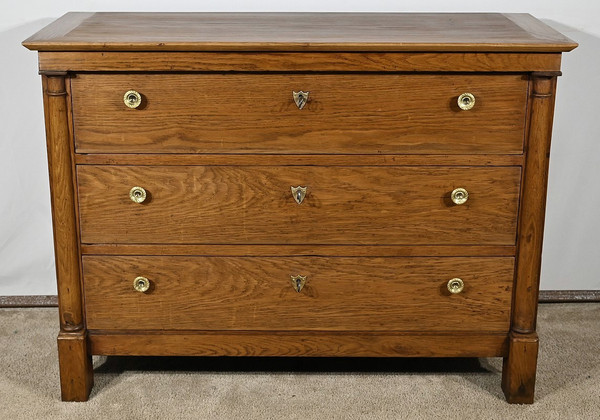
{"x":74,"y":358}
{"x":518,"y":372}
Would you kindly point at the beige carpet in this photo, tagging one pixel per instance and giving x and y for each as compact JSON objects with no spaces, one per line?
{"x":568,"y":385}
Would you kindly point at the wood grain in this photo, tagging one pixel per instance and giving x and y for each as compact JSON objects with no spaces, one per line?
{"x":254,"y":205}
{"x":546,"y":296}
{"x":76,"y":374}
{"x":316,"y":344}
{"x":341,"y":294}
{"x":218,"y":142}
{"x":533,"y":205}
{"x":63,"y":202}
{"x":298,"y":160}
{"x":304,"y":62}
{"x":488,"y":32}
{"x":255,"y":113}
{"x":241,"y":250}
{"x":519,"y":368}
{"x":75,"y":365}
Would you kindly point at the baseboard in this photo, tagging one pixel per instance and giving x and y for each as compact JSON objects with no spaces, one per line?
{"x":546,"y":296}
{"x":36,"y":301}
{"x":559,"y":296}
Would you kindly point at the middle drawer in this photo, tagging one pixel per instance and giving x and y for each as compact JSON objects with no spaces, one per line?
{"x":359,"y":205}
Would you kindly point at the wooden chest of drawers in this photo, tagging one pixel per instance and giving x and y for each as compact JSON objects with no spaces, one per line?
{"x":298,"y":185}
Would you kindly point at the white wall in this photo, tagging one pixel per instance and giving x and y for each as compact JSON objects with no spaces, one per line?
{"x":572,"y":248}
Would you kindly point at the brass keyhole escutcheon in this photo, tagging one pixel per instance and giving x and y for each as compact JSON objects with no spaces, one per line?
{"x":455,"y":286}
{"x":466,"y":101}
{"x":141,"y":284}
{"x":459,"y":196}
{"x":300,"y":98}
{"x":299,"y":193}
{"x":298,"y":282}
{"x":132,"y":99}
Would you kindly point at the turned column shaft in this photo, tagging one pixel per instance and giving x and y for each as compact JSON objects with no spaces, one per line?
{"x":519,"y":367}
{"x":533,"y":204}
{"x":62,"y":196}
{"x":75,"y":361}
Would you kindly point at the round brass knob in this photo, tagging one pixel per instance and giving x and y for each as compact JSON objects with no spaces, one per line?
{"x":132,"y":99}
{"x":141,"y":284}
{"x":456,"y":285}
{"x":137,"y":194}
{"x":466,"y":101}
{"x":459,"y":196}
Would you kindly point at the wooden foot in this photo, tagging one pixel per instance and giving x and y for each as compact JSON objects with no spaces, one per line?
{"x":518,"y":369}
{"x":75,"y":362}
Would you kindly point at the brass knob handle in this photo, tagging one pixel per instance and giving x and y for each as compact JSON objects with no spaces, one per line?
{"x":456,"y":285}
{"x":299,"y":193}
{"x":137,"y":194}
{"x":298,"y":282}
{"x":141,"y":284}
{"x":132,"y":99}
{"x":459,"y":196}
{"x":466,"y":101}
{"x":300,"y":98}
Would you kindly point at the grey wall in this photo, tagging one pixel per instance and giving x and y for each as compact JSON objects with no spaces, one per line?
{"x":571,"y":257}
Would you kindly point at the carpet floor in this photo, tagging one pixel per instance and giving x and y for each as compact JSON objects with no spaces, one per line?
{"x":568,"y":380}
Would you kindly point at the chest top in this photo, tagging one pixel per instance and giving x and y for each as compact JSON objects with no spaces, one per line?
{"x":484,"y":32}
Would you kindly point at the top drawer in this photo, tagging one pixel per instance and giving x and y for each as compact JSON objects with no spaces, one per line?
{"x":256,"y":113}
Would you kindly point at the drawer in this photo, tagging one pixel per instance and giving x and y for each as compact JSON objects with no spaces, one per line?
{"x":255,"y":205}
{"x":256,"y":113}
{"x":256,"y":293}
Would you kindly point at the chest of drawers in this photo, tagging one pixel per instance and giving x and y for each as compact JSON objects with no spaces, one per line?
{"x":298,"y":185}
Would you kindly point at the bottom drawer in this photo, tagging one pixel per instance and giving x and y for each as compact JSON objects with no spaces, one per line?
{"x":258,"y":293}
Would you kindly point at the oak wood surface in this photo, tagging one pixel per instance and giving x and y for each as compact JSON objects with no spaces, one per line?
{"x":270,"y":343}
{"x":254,"y":205}
{"x":218,"y":142}
{"x":256,"y":293}
{"x":75,"y":366}
{"x":298,"y":32}
{"x":63,"y":202}
{"x":519,"y":368}
{"x":76,"y":376}
{"x":304,"y":62}
{"x":255,"y":113}
{"x":546,"y":296}
{"x":241,"y":250}
{"x":177,"y":159}
{"x":533,"y":205}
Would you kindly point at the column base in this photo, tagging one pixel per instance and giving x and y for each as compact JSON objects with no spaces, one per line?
{"x":75,"y":363}
{"x":519,"y":368}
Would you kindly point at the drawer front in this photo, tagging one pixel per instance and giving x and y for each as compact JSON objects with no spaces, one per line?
{"x":255,"y":205}
{"x":345,"y":113}
{"x":256,"y":293}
